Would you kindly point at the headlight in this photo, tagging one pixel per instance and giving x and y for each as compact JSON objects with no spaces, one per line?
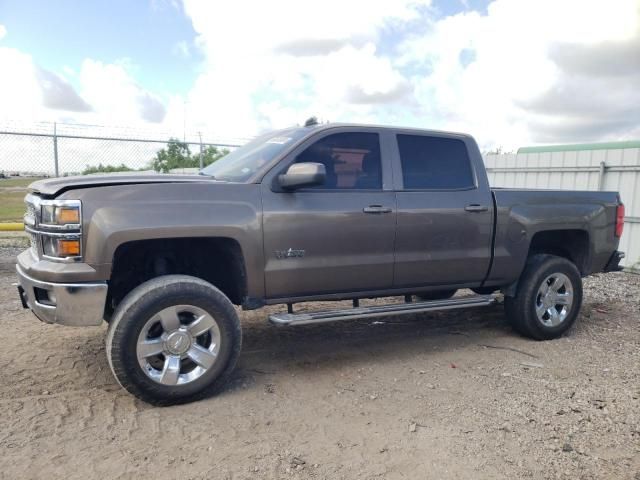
{"x":61,"y":213}
{"x":60,"y":229}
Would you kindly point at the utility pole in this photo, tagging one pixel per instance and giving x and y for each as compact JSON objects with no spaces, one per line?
{"x":55,"y":148}
{"x":184,"y":121}
{"x":201,"y":151}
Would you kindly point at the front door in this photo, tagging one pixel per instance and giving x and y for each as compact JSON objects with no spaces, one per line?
{"x":336,"y":237}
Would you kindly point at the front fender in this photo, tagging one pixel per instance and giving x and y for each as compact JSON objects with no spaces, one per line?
{"x":120,"y":214}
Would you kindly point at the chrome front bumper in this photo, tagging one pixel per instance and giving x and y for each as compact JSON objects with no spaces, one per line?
{"x":71,"y":304}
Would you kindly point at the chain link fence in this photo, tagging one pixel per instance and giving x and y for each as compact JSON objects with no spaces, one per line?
{"x":73,"y":151}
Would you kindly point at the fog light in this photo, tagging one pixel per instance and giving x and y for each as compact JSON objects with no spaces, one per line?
{"x":61,"y":247}
{"x":69,"y":248}
{"x":45,"y":297}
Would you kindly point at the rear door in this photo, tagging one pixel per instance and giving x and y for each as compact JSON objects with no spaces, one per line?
{"x":445,"y":211}
{"x":337,"y":237}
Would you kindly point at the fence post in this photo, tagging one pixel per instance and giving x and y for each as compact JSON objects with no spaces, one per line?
{"x":55,"y":148}
{"x":201,"y":151}
{"x":601,"y":174}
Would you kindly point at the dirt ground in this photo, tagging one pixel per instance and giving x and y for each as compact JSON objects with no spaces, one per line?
{"x":445,"y":395}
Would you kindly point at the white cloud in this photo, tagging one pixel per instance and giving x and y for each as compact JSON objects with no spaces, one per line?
{"x":58,"y":94}
{"x":115,"y":95}
{"x":227,"y":31}
{"x":518,"y":88}
{"x":503,"y":76}
{"x":100,"y":93}
{"x":3,"y":31}
{"x":20,"y":92}
{"x":290,"y":59}
{"x":526,"y":71}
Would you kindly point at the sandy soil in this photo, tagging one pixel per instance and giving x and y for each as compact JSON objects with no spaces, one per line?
{"x":450,"y":395}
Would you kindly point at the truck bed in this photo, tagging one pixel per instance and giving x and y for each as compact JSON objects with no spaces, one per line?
{"x":525,"y":216}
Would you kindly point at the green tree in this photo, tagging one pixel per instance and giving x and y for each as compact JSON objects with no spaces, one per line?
{"x":106,"y":169}
{"x":175,"y":155}
{"x":178,"y":155}
{"x":211,"y":154}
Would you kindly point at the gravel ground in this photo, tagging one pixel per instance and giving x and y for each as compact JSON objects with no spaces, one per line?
{"x":443,"y":395}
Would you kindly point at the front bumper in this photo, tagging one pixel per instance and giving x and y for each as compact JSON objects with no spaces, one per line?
{"x":71,"y":304}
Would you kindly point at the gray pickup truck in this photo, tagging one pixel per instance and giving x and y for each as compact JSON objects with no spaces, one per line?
{"x":321,"y":212}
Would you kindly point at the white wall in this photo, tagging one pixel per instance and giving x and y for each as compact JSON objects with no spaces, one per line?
{"x":579,"y":170}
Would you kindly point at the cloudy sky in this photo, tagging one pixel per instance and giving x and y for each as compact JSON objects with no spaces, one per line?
{"x":511,"y":72}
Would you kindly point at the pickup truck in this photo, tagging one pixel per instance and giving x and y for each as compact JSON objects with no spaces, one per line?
{"x":319,"y":212}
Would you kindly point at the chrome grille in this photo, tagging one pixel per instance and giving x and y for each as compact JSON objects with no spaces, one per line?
{"x":31,"y":211}
{"x":33,"y":239}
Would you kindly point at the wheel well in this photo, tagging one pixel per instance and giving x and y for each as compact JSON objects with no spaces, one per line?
{"x":219,"y":261}
{"x":570,"y":244}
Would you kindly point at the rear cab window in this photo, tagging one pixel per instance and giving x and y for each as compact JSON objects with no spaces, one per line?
{"x":434,"y":163}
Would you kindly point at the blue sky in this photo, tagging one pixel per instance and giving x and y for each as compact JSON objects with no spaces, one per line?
{"x":64,"y":32}
{"x":511,"y":72}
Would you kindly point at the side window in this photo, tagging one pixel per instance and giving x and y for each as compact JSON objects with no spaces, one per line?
{"x":352,"y":160}
{"x":434,"y":163}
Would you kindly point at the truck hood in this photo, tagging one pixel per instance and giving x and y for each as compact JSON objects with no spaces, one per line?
{"x":52,"y":187}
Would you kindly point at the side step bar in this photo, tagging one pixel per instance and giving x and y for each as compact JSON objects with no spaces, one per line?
{"x":306,"y":318}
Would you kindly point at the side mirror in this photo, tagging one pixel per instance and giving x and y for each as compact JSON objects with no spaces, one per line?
{"x":303,"y":175}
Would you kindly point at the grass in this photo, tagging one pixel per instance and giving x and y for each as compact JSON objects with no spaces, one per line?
{"x":12,"y":206}
{"x":12,"y":192}
{"x":23,"y":182}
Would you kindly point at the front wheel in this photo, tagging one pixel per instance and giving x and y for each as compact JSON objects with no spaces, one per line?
{"x":173,"y":339}
{"x":548,"y":298}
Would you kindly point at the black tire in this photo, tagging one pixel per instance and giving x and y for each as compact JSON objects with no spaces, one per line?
{"x":142,"y":304}
{"x":521,"y":309}
{"x":436,"y":295}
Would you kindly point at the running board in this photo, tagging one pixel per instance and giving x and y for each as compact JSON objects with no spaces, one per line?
{"x":306,"y":318}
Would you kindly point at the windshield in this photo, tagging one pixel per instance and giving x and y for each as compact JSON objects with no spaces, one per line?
{"x":242,"y":163}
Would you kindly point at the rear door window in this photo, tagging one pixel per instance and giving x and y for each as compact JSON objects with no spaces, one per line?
{"x":434,"y":163}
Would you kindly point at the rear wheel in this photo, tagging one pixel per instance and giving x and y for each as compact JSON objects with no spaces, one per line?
{"x":436,"y":295}
{"x":173,"y":339}
{"x":548,"y":298}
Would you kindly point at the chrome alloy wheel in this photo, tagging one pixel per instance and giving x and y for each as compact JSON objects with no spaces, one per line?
{"x":554,"y":299}
{"x":178,"y":345}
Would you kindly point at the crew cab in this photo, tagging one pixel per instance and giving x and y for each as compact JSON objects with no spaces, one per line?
{"x":320,"y":212}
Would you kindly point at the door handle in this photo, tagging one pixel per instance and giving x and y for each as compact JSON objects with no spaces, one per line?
{"x":474,"y":207}
{"x":376,"y":209}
